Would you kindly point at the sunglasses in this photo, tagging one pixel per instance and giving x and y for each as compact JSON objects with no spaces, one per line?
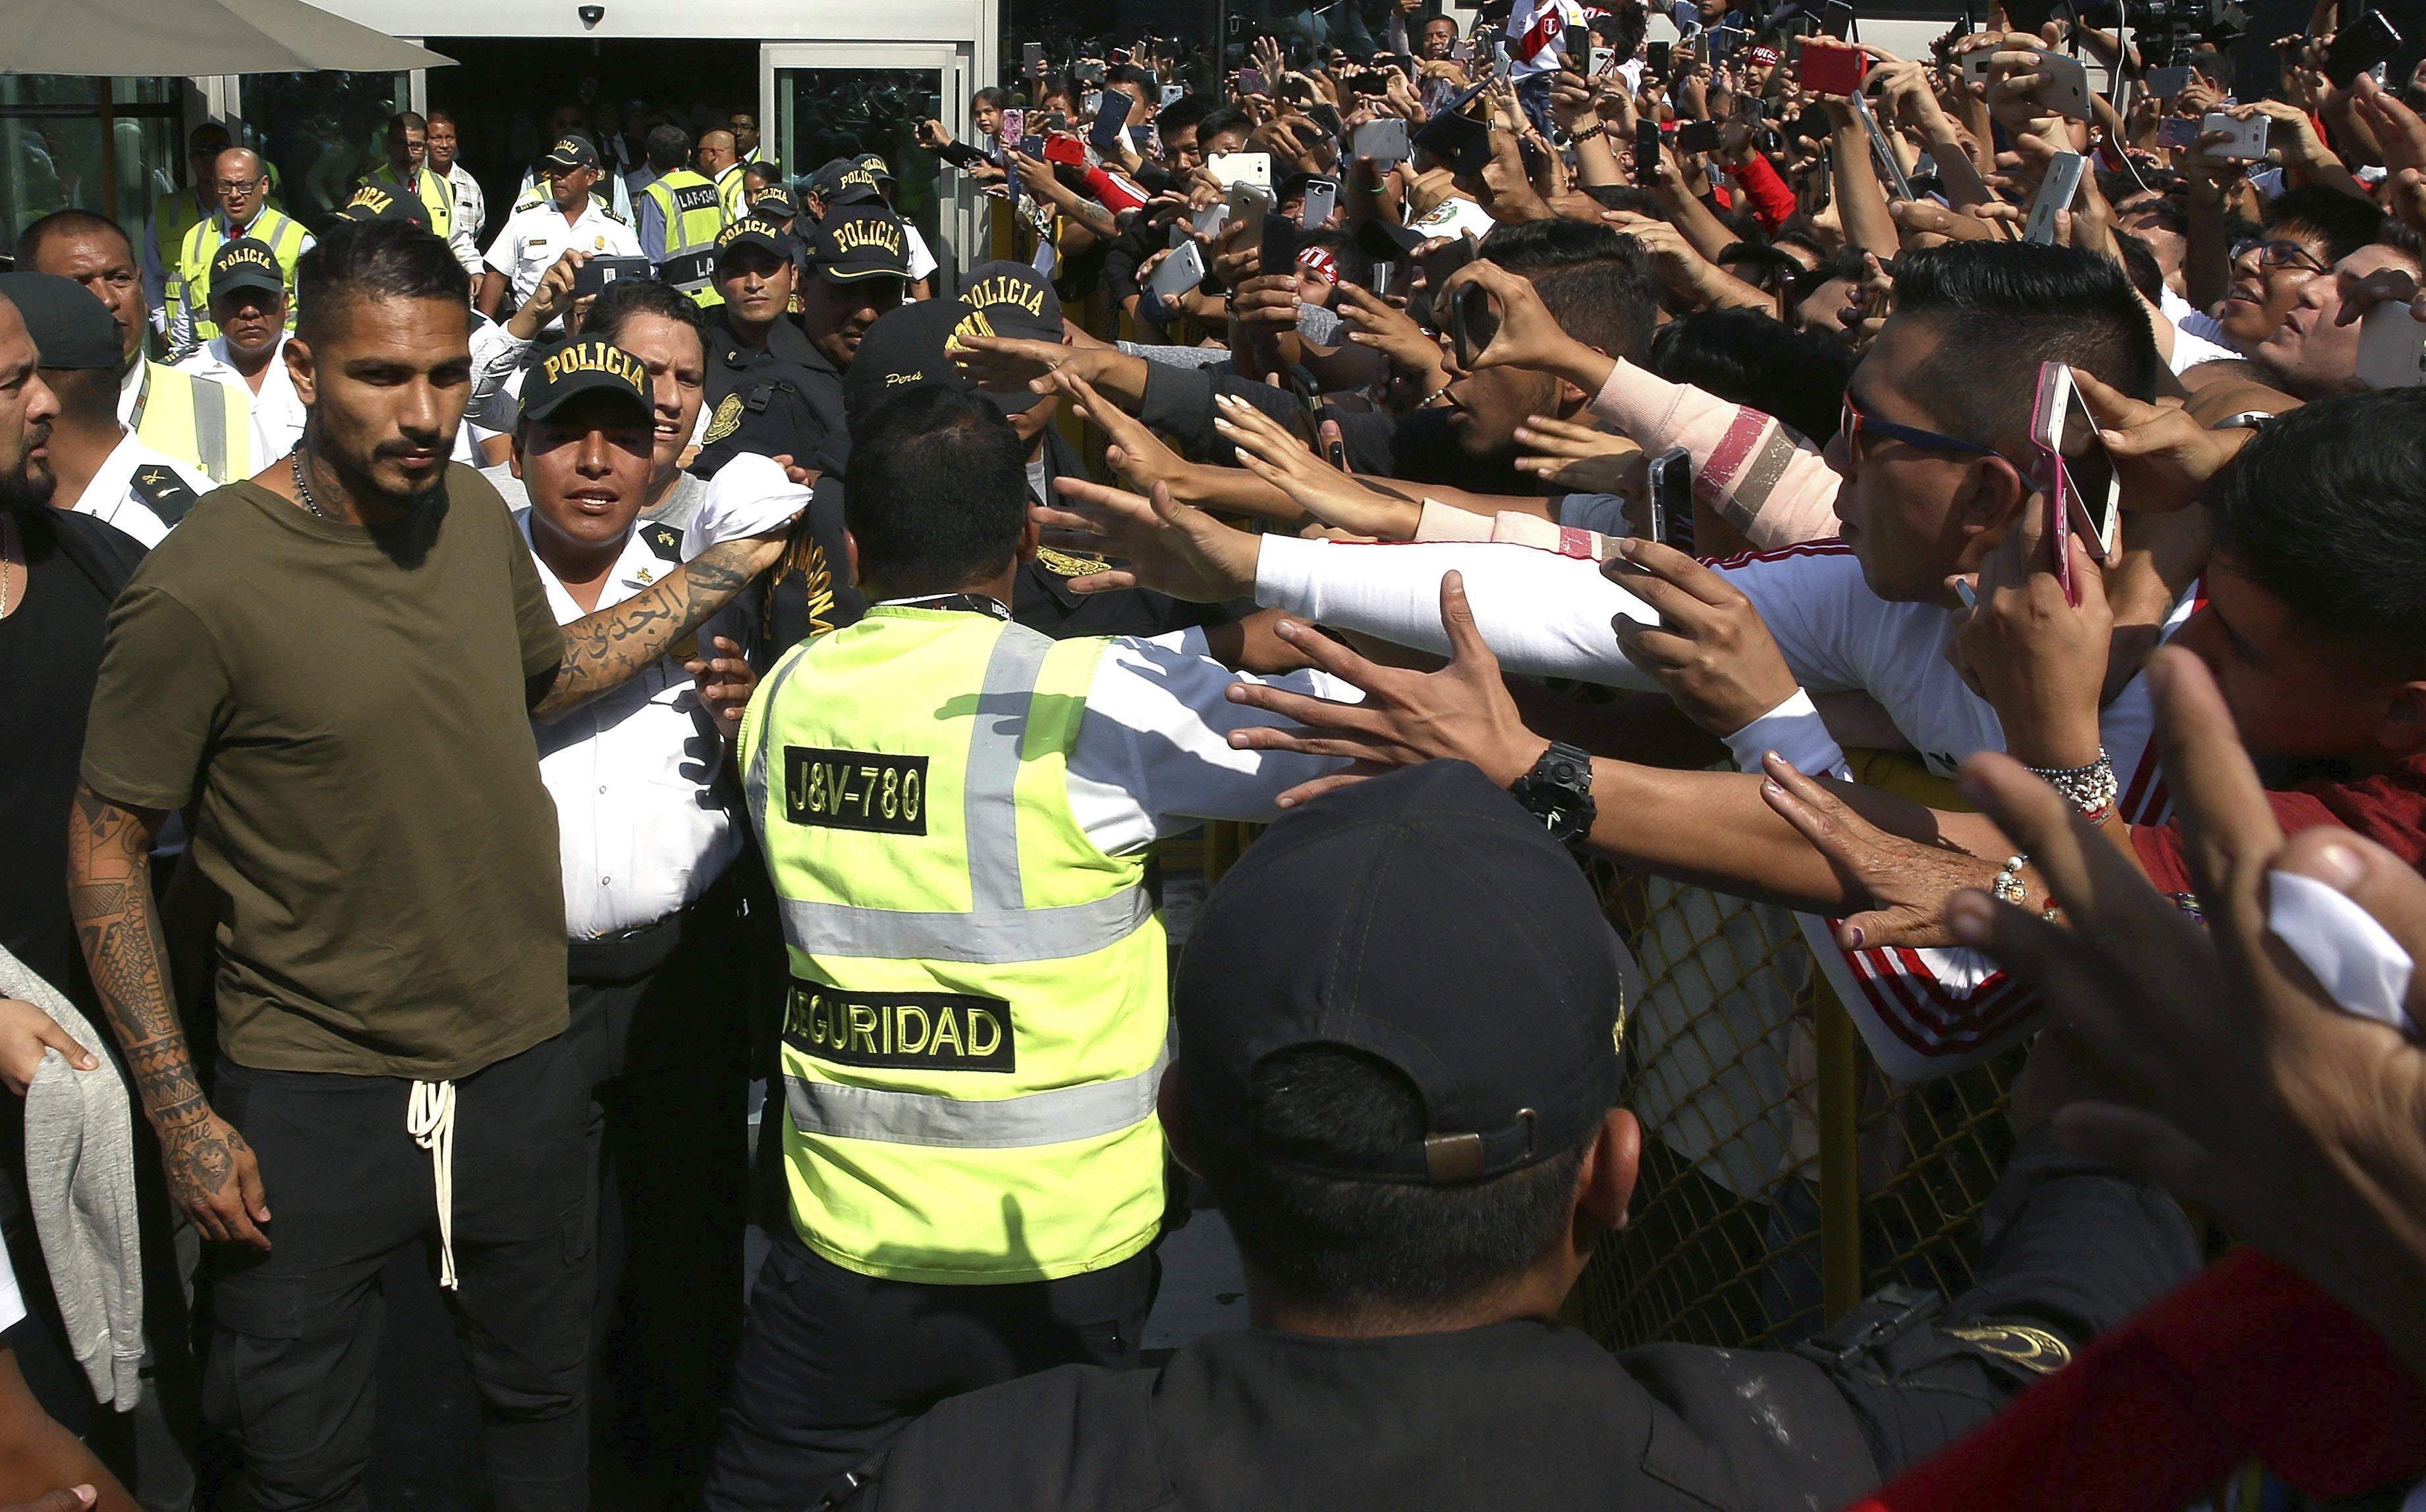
{"x":1853,"y":424}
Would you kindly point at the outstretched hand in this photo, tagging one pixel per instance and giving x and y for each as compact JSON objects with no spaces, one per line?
{"x":1906,"y":882}
{"x":1169,"y":547}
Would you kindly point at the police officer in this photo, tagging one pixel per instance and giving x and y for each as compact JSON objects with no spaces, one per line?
{"x":954,"y":814}
{"x":859,"y":268}
{"x":537,"y":233}
{"x":769,"y":388}
{"x":249,"y":305}
{"x":1399,"y":1069}
{"x":200,"y":423}
{"x":922,"y":261}
{"x":640,"y":783}
{"x":679,"y":216}
{"x":406,"y":166}
{"x":100,"y":467}
{"x":471,"y":202}
{"x":243,"y":183}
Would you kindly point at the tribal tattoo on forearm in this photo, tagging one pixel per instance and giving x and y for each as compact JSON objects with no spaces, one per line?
{"x":609,"y":648}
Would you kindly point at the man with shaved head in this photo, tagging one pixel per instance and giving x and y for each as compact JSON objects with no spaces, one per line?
{"x":719,"y":158}
{"x":241,"y":180}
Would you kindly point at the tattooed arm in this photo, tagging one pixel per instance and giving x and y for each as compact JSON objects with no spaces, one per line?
{"x":609,"y":648}
{"x":211,"y":1170}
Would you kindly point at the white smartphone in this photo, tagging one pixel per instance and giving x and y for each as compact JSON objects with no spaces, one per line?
{"x":2078,"y":471}
{"x":2248,"y":144}
{"x":1208,"y":222}
{"x":2066,"y":91}
{"x":1601,"y":60}
{"x":1975,"y":64}
{"x":1321,"y":197}
{"x":2391,"y":348}
{"x":1172,"y":94}
{"x":1176,"y":274}
{"x":2056,"y":192}
{"x":1230,"y":170}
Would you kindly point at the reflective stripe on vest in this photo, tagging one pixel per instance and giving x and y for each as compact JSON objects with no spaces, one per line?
{"x":197,"y":427}
{"x":1054,"y":1118}
{"x":210,"y":431}
{"x":694,"y":217}
{"x":285,"y":238}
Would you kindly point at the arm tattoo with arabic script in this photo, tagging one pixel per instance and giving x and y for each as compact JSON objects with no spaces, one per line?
{"x":109,"y":892}
{"x":609,"y":648}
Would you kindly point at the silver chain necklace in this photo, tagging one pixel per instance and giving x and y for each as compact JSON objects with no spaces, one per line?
{"x":7,"y":549}
{"x":295,"y":463}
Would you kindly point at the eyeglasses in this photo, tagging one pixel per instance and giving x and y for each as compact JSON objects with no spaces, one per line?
{"x":2285,"y":255}
{"x":240,"y":186}
{"x":1851,"y":424}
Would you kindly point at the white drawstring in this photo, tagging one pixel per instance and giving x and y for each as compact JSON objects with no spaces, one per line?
{"x":431,"y":1123}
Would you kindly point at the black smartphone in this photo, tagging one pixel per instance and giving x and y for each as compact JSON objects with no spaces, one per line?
{"x":1646,"y":153}
{"x":1697,"y":137}
{"x":1111,"y":116}
{"x":1672,"y":499}
{"x":593,"y":276}
{"x":1473,"y":321}
{"x":1656,"y":60}
{"x":1326,"y":115}
{"x":1279,"y":246}
{"x":2359,"y":47}
{"x":1031,"y":56}
{"x":1837,"y":18}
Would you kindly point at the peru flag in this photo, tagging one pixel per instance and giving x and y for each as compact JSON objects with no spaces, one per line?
{"x":1537,"y":34}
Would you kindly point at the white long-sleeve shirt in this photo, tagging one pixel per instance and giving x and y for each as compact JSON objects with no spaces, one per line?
{"x":278,"y":412}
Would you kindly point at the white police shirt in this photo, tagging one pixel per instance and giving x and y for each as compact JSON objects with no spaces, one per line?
{"x":536,"y":234}
{"x":277,"y":408}
{"x":640,"y":832}
{"x":142,"y":491}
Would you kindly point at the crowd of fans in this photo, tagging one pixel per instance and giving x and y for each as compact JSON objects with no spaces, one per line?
{"x":1973,"y":507}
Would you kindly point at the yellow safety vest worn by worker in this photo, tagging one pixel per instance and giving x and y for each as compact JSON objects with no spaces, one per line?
{"x":197,"y":421}
{"x":733,"y":192}
{"x":173,"y":215}
{"x":979,"y":1003}
{"x":694,"y":216}
{"x":437,"y":195}
{"x":190,"y":280}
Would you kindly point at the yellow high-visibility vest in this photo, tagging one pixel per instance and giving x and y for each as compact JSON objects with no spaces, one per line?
{"x":189,"y":282}
{"x":197,"y":421}
{"x":437,"y":195}
{"x":694,"y":216}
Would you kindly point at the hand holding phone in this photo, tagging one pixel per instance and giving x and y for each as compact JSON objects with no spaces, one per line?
{"x":1111,"y":116}
{"x":1671,"y":522}
{"x":1380,"y":142}
{"x":1177,"y":274}
{"x":2056,"y":192}
{"x":2084,"y":491}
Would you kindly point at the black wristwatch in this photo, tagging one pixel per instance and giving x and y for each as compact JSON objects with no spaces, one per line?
{"x":1557,"y":790}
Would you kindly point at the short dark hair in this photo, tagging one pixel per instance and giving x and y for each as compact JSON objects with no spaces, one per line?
{"x":1228,"y":117}
{"x":2140,"y":266}
{"x":407,"y":121}
{"x":1369,"y":1244}
{"x":1131,"y":74}
{"x":1747,"y":358}
{"x":2001,"y":309}
{"x":1182,"y":113}
{"x":2325,"y":508}
{"x":668,"y":146}
{"x":372,"y":260}
{"x":1596,"y":282}
{"x":2345,"y":222}
{"x":66,"y":223}
{"x":628,"y":297}
{"x":936,"y":490}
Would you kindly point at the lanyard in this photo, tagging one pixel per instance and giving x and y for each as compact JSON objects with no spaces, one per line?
{"x":962,"y":603}
{"x":142,"y":397}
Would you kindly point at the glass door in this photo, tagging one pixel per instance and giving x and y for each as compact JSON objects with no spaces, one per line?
{"x":820,"y":101}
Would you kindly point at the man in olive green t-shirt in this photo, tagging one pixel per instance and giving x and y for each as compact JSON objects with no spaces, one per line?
{"x":333,"y":668}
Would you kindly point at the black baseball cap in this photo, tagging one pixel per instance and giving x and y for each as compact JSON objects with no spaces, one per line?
{"x":586,"y":365}
{"x":874,"y":167}
{"x":571,"y":150}
{"x":1015,"y":301}
{"x":754,"y":229}
{"x":1425,"y":920}
{"x":858,"y":242}
{"x":774,"y":202}
{"x":907,"y":347}
{"x":245,"y":264}
{"x":844,"y":181}
{"x":71,"y":327}
{"x":373,"y":202}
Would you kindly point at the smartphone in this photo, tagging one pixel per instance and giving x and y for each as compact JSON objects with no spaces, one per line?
{"x":1250,"y":203}
{"x":1207,"y":222}
{"x":1321,"y":197}
{"x":2066,"y":91}
{"x":2165,"y":83}
{"x":1326,"y":115}
{"x":2056,"y":192}
{"x":1089,"y":74}
{"x":1672,"y":499}
{"x":1380,"y":142}
{"x":1473,"y":321}
{"x":1830,"y":67}
{"x":1438,"y":266}
{"x":1278,"y":245}
{"x":1251,"y":81}
{"x":2359,"y":47}
{"x":1601,"y":60}
{"x":1091,"y":103}
{"x":593,"y":276}
{"x":1175,"y":275}
{"x":1031,"y":56}
{"x":1056,"y":121}
{"x":1172,"y":94}
{"x":1837,"y":18}
{"x":2391,"y":348}
{"x":2248,"y":143}
{"x":1502,"y":66}
{"x":1033,"y":147}
{"x":1697,"y":137}
{"x":1014,"y":127}
{"x":2085,"y":494}
{"x":1066,"y":151}
{"x":1655,"y":58}
{"x":1382,"y":273}
{"x":1109,"y":118}
{"x":1646,"y":152}
{"x":1882,"y":151}
{"x":2179,"y":132}
{"x":1230,"y":170}
{"x":1975,"y":64}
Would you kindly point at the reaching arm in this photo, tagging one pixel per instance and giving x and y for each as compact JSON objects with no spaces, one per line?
{"x":42,"y":1464}
{"x":609,"y":648}
{"x":210,"y":1168}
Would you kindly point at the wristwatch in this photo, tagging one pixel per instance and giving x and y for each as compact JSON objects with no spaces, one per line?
{"x":1557,"y":790}
{"x":2246,"y":420}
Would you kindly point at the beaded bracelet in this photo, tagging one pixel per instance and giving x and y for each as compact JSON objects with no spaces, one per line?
{"x":2091,"y":789}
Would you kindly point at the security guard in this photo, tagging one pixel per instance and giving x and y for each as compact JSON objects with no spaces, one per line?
{"x":1399,"y":1069}
{"x":680,"y":217}
{"x":538,"y":232}
{"x":722,"y":163}
{"x":243,"y":182}
{"x":176,"y":212}
{"x":101,"y":468}
{"x":249,"y":301}
{"x":955,"y":813}
{"x":198,"y":422}
{"x":406,"y":166}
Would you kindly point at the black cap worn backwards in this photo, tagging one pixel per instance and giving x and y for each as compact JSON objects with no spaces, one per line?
{"x":71,"y":327}
{"x":571,"y":150}
{"x":245,"y":264}
{"x":374,"y":201}
{"x":588,"y":366}
{"x":858,"y":242}
{"x":754,"y":229}
{"x":1422,"y":918}
{"x":907,"y":347}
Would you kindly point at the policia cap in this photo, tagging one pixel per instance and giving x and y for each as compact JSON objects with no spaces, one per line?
{"x":374,"y":201}
{"x":584,"y":366}
{"x":245,"y":264}
{"x":1425,"y":920}
{"x":858,"y":242}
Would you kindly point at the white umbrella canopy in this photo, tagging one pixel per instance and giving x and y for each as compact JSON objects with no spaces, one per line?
{"x":135,"y":38}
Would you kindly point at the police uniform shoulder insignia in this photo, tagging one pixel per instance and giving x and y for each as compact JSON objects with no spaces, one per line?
{"x":2035,"y":1350}
{"x":167,"y":495}
{"x":1064,"y":564}
{"x":533,"y":197}
{"x":726,"y":420}
{"x":614,"y":215}
{"x":662,"y":538}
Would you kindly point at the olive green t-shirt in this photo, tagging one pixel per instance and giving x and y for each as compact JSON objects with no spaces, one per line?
{"x":347,"y":713}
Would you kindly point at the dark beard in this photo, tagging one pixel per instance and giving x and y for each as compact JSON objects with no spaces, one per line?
{"x":26,"y":490}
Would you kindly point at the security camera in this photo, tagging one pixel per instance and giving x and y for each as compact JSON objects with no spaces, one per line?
{"x":591,"y":15}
